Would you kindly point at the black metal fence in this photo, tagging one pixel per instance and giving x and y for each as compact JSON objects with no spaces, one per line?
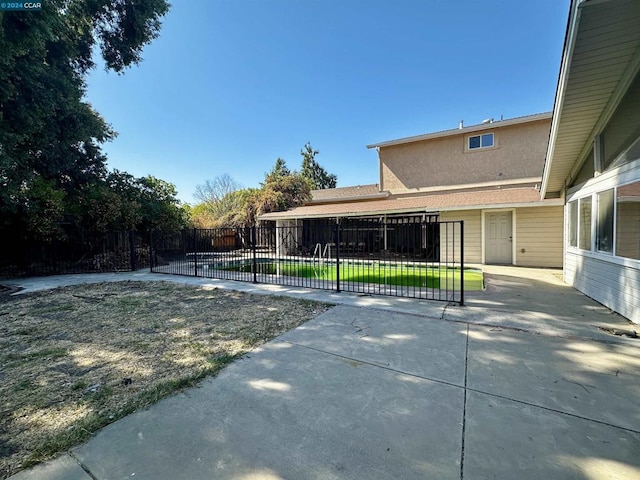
{"x":78,"y":252}
{"x":415,"y":257}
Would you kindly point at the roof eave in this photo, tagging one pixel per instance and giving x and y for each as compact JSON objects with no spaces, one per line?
{"x":543,"y":203}
{"x":465,"y":130}
{"x":563,"y":76}
{"x":349,"y":199}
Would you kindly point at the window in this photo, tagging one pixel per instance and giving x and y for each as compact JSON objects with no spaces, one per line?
{"x":628,"y":221}
{"x":604,"y":225}
{"x":481,"y":141}
{"x":585,"y":224}
{"x":573,"y":224}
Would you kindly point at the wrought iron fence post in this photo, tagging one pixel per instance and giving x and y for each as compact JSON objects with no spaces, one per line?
{"x":254,"y":266}
{"x":54,"y":255}
{"x":461,"y":262}
{"x":195,"y":251}
{"x":151,"y":251}
{"x":337,"y":242}
{"x":132,"y":251}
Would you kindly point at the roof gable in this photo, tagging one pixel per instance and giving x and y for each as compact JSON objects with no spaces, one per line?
{"x":600,"y":59}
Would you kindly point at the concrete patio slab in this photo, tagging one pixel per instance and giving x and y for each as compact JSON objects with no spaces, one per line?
{"x":537,"y":300}
{"x":595,"y":380}
{"x":410,"y":344}
{"x":290,"y":412}
{"x":62,"y":468}
{"x":426,"y":308}
{"x":507,"y":440}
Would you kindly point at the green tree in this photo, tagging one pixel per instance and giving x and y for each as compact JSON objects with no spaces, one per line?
{"x":48,"y":134}
{"x":279,"y":170}
{"x":311,"y":170}
{"x":122,"y":202}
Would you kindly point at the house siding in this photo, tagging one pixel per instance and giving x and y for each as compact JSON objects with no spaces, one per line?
{"x":450,"y":244}
{"x":519,"y":152}
{"x":615,"y":286}
{"x":539,"y":234}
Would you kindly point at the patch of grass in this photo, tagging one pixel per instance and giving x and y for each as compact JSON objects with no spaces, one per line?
{"x":115,"y":348}
{"x":55,"y":309}
{"x":49,"y":353}
{"x":79,"y":385}
{"x":407,"y":275}
{"x":51,"y":445}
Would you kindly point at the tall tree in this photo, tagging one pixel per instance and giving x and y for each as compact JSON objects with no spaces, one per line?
{"x":123,"y":202}
{"x":216,"y":197}
{"x":213,"y":191}
{"x":279,"y":170}
{"x":311,"y":170}
{"x":48,"y":134}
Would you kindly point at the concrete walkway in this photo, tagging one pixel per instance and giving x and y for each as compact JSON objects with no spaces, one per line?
{"x":521,"y":383}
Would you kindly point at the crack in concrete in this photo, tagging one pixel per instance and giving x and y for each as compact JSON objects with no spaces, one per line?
{"x":82,"y":466}
{"x":464,"y":407}
{"x":549,"y":409}
{"x":464,"y":387}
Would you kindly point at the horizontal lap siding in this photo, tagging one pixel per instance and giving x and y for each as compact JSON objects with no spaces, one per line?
{"x":539,"y":234}
{"x":615,"y":286}
{"x":472,"y":236}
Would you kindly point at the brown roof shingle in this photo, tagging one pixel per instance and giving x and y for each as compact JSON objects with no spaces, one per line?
{"x":345,"y":193}
{"x":424,"y":203}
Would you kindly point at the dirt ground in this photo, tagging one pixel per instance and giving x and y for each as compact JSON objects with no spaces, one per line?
{"x":75,"y":359}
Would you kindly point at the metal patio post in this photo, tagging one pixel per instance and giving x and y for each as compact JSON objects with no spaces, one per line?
{"x":337,"y":241}
{"x":254,"y":267}
{"x":461,"y":262}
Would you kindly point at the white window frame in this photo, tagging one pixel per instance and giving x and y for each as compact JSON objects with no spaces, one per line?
{"x":612,"y":179}
{"x":481,"y":147}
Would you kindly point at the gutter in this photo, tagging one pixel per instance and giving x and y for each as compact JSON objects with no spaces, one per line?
{"x":357,"y":198}
{"x":542,"y":203}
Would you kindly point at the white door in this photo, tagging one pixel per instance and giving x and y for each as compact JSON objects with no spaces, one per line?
{"x":498,"y":238}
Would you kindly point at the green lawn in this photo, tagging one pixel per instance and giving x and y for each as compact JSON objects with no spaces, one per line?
{"x":385,"y":274}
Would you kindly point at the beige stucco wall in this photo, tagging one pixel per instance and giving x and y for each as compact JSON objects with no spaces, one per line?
{"x":519,"y":152}
{"x":539,"y":236}
{"x":472,"y":236}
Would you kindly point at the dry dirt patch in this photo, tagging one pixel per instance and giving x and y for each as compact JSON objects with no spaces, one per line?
{"x":74,"y":359}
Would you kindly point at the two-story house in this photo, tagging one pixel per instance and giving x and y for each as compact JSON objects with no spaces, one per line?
{"x":488,"y":175}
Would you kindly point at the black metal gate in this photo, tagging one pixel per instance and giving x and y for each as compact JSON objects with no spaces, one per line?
{"x":416,"y":257}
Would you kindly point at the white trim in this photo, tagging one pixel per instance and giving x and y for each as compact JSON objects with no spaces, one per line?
{"x":628,"y":173}
{"x":605,"y":115}
{"x":598,"y":151}
{"x":467,"y":146}
{"x":371,"y":196}
{"x":563,"y":79}
{"x":467,"y":186}
{"x":547,"y":203}
{"x":605,"y":257}
{"x":619,"y":177}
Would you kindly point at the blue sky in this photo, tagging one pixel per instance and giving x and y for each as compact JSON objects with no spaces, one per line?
{"x":229,"y":86}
